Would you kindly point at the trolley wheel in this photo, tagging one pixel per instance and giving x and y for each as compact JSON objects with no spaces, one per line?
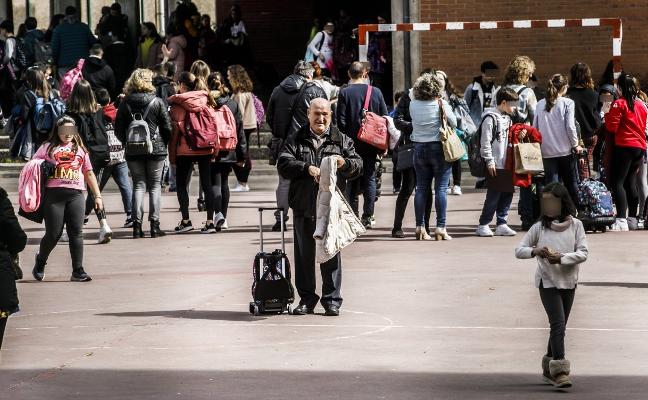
{"x":256,"y":311}
{"x":604,"y":229}
{"x":289,"y":309}
{"x":251,"y":308}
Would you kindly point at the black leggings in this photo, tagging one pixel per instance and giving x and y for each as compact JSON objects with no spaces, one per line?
{"x":558,"y":304}
{"x":243,"y":173}
{"x":407,"y":188}
{"x":456,"y":173}
{"x":183,"y":177}
{"x":219,"y":177}
{"x":626,"y":162}
{"x":3,"y":325}
{"x":63,"y":207}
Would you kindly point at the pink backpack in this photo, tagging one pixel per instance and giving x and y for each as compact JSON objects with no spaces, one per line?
{"x":226,"y":128}
{"x":29,"y":186}
{"x":201,"y":129}
{"x":70,"y":79}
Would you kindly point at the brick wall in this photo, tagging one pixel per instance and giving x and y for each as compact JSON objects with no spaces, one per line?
{"x":553,"y":50}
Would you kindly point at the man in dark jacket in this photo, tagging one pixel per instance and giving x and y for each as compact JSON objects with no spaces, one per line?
{"x":70,"y":42}
{"x":280,"y":115}
{"x":349,"y":117}
{"x":98,"y":73}
{"x":12,"y":242}
{"x":119,"y":57}
{"x":32,"y":36}
{"x":299,"y":162}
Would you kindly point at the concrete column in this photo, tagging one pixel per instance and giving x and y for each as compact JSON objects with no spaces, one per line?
{"x":397,"y":44}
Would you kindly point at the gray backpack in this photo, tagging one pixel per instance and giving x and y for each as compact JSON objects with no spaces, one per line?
{"x":138,"y":135}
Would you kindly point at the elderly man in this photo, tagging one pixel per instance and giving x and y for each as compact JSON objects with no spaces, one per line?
{"x":299,"y":162}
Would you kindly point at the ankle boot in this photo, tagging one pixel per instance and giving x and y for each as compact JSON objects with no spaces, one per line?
{"x":421,"y":234}
{"x":441,"y":234}
{"x":546,"y":375}
{"x":155,"y":229}
{"x":559,"y":370}
{"x":137,"y":230}
{"x":38,"y":272}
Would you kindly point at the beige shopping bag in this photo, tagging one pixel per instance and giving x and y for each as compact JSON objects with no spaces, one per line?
{"x":528,"y":158}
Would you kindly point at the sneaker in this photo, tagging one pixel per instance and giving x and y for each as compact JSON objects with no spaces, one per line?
{"x":633,"y":223}
{"x":64,"y":237}
{"x":201,"y":205}
{"x":484,"y":231}
{"x":398,"y":233}
{"x":183,"y":227}
{"x":369,"y":222}
{"x":38,"y":272}
{"x":396,"y":190}
{"x":128,"y":223}
{"x":481,"y":183}
{"x":621,"y":225}
{"x":241,"y":188}
{"x":219,"y":220}
{"x":504,"y":230}
{"x":456,"y":191}
{"x":641,"y":223}
{"x":224,"y":226}
{"x":208,"y":228}
{"x":79,"y":275}
{"x":105,"y":234}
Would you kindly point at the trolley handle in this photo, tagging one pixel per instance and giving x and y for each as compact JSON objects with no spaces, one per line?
{"x":283,"y":239}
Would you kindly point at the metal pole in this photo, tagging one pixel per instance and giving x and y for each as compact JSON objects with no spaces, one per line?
{"x":27,"y":9}
{"x":407,"y":59}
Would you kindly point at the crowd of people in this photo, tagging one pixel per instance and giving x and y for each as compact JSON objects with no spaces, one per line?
{"x":92,"y":117}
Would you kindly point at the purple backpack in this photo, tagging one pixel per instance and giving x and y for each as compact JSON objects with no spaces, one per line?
{"x":259,"y":111}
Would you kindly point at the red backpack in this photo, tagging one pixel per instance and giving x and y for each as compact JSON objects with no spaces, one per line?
{"x":226,"y":128}
{"x":201,"y":129}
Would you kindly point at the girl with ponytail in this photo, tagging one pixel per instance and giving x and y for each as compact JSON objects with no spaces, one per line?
{"x":555,"y":119}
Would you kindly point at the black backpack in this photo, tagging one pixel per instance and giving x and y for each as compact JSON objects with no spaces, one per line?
{"x":95,"y":138}
{"x":476,"y":162}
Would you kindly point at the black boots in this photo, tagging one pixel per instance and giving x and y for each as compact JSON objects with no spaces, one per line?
{"x":39,"y":269}
{"x":155,"y":229}
{"x":137,"y":230}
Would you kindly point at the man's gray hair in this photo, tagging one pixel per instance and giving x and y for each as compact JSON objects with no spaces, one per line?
{"x":304,"y":69}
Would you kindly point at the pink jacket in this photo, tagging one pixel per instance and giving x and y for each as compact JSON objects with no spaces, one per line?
{"x":177,"y":45}
{"x":29,"y":186}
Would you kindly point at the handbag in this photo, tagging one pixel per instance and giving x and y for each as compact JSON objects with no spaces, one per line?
{"x":405,"y":156}
{"x":373,"y":128}
{"x":528,"y":158}
{"x":453,"y":150}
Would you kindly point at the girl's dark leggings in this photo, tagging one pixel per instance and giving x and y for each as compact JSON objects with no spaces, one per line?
{"x":3,"y":325}
{"x":557,"y":303}
{"x":63,"y":207}
{"x":243,"y":173}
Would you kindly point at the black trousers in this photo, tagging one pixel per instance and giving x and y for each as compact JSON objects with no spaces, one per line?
{"x":557,"y":304}
{"x":63,"y":207}
{"x":243,"y":173}
{"x":624,"y":179}
{"x":183,"y":177}
{"x":219,"y":177}
{"x":408,"y":185}
{"x":456,"y":173}
{"x":305,"y":268}
{"x":3,"y":325}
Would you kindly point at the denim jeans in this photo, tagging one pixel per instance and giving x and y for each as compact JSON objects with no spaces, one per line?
{"x":496,"y":202}
{"x":147,"y":175}
{"x":429,"y":164}
{"x":367,"y":184}
{"x":119,"y":172}
{"x":563,"y":169}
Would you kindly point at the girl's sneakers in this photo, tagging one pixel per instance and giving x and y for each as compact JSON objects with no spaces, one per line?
{"x":79,"y":275}
{"x":208,"y":228}
{"x":183,"y":227}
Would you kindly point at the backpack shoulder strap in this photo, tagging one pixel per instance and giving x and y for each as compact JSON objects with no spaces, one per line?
{"x":321,"y":42}
{"x":148,"y":108}
{"x":522,"y":89}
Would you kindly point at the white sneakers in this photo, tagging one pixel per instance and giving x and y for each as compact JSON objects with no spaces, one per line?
{"x":621,"y":225}
{"x":456,"y":191}
{"x":241,"y":188}
{"x":501,"y":230}
{"x":105,"y":234}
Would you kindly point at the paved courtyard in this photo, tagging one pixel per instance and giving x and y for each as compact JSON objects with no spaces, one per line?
{"x":168,"y":319}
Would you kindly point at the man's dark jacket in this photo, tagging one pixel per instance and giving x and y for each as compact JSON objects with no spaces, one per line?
{"x":298,"y":153}
{"x":349,"y":113}
{"x":100,"y":75}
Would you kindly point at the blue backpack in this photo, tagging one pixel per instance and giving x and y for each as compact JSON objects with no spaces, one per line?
{"x":46,"y":113}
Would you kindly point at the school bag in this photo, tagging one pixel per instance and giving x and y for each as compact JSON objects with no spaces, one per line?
{"x":94,"y":138}
{"x":70,"y":79}
{"x":138,"y":134}
{"x":201,"y":129}
{"x":476,"y":162}
{"x":226,"y":128}
{"x":46,"y":113}
{"x":42,"y":52}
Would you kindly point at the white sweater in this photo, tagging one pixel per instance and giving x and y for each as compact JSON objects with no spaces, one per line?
{"x":558,"y":127}
{"x":571,"y":243}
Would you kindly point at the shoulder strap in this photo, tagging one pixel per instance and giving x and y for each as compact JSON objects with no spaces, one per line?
{"x":495,"y":126}
{"x":297,"y":98}
{"x":522,"y":89}
{"x":367,"y":98}
{"x":321,"y":42}
{"x":148,"y":108}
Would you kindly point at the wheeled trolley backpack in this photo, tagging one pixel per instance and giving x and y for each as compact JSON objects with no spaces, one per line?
{"x":271,"y":290}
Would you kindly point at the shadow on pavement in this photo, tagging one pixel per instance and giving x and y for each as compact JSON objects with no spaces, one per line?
{"x":629,"y":285}
{"x":233,"y":316}
{"x":105,"y":384}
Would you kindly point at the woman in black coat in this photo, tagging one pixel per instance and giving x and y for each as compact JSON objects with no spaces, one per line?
{"x":12,"y":242}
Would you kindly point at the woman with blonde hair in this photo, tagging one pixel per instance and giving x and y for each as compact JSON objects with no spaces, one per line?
{"x":145,"y":166}
{"x":242,"y":93}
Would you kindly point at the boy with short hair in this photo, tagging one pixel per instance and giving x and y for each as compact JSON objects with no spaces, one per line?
{"x":494,"y":144}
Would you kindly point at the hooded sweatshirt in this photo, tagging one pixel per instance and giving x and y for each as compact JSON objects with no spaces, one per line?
{"x":99,"y":74}
{"x":280,"y":105}
{"x":494,"y":137}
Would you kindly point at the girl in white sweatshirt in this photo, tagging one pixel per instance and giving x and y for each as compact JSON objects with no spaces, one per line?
{"x":559,"y":245}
